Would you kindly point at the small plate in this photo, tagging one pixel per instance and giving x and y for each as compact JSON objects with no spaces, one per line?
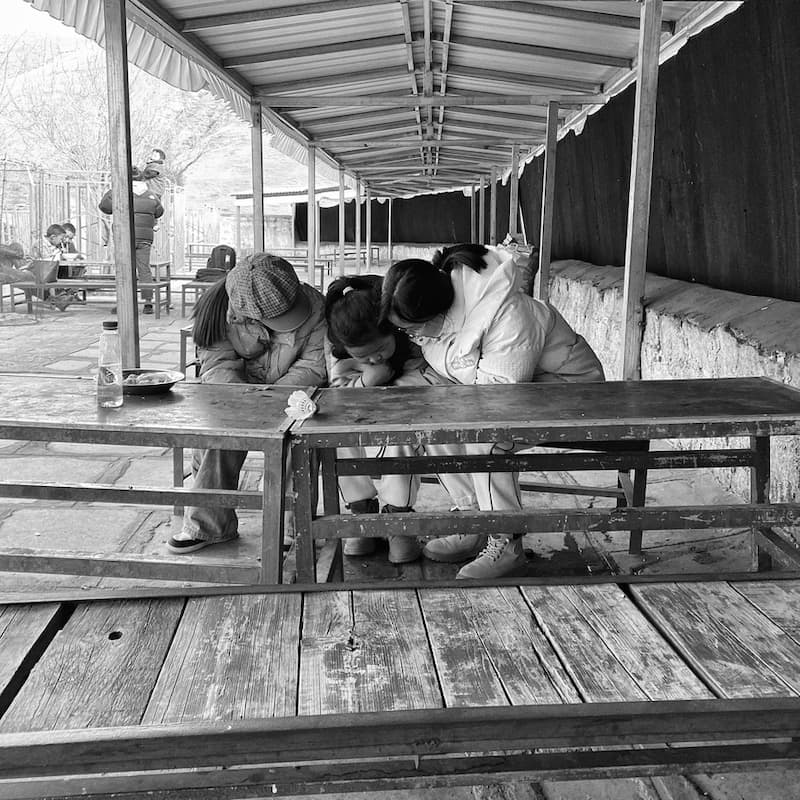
{"x":171,"y":377}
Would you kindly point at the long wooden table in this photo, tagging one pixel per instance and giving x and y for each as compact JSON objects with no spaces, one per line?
{"x":271,"y":692}
{"x":593,"y":415}
{"x":227,"y":417}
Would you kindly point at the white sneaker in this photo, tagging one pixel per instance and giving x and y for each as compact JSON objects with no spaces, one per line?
{"x":455,"y":548}
{"x":502,"y":557}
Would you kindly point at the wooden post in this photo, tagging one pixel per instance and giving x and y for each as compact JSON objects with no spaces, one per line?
{"x":369,"y":229}
{"x":238,"y":217}
{"x":119,"y":124}
{"x":493,"y":208}
{"x":358,"y":225}
{"x":341,"y":222}
{"x":311,"y":221}
{"x":644,"y":124}
{"x":258,"y":176}
{"x":390,"y":243}
{"x":548,"y":192}
{"x":472,"y":233}
{"x":482,"y":211}
{"x":513,"y":201}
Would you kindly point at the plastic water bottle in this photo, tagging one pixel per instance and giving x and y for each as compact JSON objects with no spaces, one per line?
{"x":109,"y":367}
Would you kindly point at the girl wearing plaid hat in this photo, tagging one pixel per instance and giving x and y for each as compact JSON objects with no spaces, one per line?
{"x":260,"y":325}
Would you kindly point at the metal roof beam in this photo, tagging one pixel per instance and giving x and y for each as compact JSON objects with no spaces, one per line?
{"x":410,"y":101}
{"x":388,"y":127}
{"x":573,"y":14}
{"x":355,"y":46}
{"x":363,"y":145}
{"x":335,"y":79}
{"x":281,"y":12}
{"x":502,"y":76}
{"x":540,"y":50}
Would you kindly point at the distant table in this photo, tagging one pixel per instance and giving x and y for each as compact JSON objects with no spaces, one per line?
{"x":227,"y":417}
{"x":597,"y":416}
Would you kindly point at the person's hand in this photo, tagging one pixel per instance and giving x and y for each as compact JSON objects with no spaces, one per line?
{"x":376,"y":374}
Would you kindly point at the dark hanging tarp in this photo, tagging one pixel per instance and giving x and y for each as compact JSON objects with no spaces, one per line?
{"x":726,"y":169}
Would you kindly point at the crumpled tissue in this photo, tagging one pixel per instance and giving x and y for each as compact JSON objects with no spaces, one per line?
{"x":300,"y":406}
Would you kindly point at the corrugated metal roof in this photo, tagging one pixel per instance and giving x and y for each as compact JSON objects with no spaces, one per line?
{"x":411,"y":96}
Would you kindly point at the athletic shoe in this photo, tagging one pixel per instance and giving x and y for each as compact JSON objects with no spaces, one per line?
{"x":455,"y":548}
{"x":502,"y":557}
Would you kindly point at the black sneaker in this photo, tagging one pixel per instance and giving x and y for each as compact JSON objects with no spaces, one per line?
{"x":148,"y":309}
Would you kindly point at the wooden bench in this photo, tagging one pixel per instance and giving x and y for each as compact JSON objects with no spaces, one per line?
{"x":162,"y":296}
{"x":267,"y":692}
{"x":613,"y":422}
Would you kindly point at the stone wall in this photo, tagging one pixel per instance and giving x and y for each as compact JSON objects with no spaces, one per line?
{"x":692,"y":331}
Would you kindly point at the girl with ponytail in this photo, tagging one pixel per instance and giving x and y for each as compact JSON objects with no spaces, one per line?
{"x":467,"y":311}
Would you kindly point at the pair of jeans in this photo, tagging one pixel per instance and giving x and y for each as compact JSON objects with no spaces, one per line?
{"x":214,"y":469}
{"x":143,"y":271}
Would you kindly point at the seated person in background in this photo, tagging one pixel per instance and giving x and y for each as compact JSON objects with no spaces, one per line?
{"x":12,"y":261}
{"x":153,"y":173}
{"x":221,"y":261}
{"x":257,"y":325}
{"x":52,"y":249}
{"x":69,"y":253}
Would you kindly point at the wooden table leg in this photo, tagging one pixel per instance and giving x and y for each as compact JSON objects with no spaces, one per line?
{"x":760,"y":560}
{"x":274,"y":493}
{"x":303,"y":475}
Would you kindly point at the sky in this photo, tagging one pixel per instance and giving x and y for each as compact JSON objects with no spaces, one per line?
{"x":19,"y":16}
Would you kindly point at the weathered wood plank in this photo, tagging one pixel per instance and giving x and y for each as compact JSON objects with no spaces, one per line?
{"x":365,"y":652}
{"x":490,"y":651}
{"x":100,"y":669}
{"x":738,"y":650}
{"x":779,"y":602}
{"x":233,"y":657}
{"x":636,"y":644}
{"x":23,"y":630}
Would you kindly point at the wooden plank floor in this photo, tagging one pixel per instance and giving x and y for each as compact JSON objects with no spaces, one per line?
{"x":389,"y":686}
{"x":247,"y":655}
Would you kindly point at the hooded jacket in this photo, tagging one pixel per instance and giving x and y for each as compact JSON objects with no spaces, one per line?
{"x":251,"y":353}
{"x":495,"y":333}
{"x":146,"y":210}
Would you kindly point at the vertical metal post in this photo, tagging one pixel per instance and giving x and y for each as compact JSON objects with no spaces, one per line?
{"x":513,"y":202}
{"x":258,"y":176}
{"x":358,"y":225}
{"x":482,"y":211}
{"x":548,"y":191}
{"x":311,"y":221}
{"x":341,"y":222}
{"x":369,"y":229}
{"x":493,"y":208}
{"x":390,"y":243}
{"x":473,"y":237}
{"x":644,"y":127}
{"x":119,"y":123}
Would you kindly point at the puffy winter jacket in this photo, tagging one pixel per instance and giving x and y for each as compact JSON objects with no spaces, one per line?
{"x":146,"y":210}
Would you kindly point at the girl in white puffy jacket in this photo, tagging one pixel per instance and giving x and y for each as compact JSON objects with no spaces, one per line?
{"x":475,"y":325}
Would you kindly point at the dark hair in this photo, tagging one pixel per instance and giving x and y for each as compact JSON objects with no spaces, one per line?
{"x":68,"y":226}
{"x":417,"y":290}
{"x":210,"y":316}
{"x":352,"y":311}
{"x":54,"y":230}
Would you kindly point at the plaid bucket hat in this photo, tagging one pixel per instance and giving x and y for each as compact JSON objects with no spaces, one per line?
{"x":266,"y":288}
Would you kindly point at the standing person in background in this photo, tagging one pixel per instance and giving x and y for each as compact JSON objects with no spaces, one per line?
{"x":146,"y":210}
{"x":475,"y":326}
{"x":257,"y":325}
{"x":153,"y":173}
